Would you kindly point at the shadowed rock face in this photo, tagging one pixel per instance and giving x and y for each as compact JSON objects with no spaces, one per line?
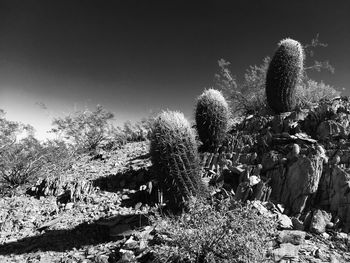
{"x":301,"y":182}
{"x":294,"y":183}
{"x":334,"y":194}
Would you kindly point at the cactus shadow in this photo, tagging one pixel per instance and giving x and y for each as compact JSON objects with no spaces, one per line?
{"x":130,"y":179}
{"x":134,"y":185}
{"x":84,"y":234}
{"x":141,"y":157}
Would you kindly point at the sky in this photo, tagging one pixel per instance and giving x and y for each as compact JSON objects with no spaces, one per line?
{"x":138,"y":57}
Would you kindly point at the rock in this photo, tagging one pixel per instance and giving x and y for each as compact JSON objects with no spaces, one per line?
{"x":125,"y":197}
{"x":286,"y":251}
{"x":334,"y":193}
{"x":325,"y":235}
{"x":69,"y":206}
{"x":297,"y":224}
{"x":253,"y":180}
{"x":262,"y":209}
{"x":319,"y":221}
{"x":330,"y":128}
{"x":280,"y":207}
{"x":342,"y":236}
{"x":334,"y":259}
{"x":295,"y":150}
{"x":330,"y":225}
{"x":284,"y":222}
{"x":126,"y":256}
{"x":131,"y":244}
{"x":301,"y":181}
{"x":101,"y":259}
{"x":319,"y":253}
{"x":294,"y":237}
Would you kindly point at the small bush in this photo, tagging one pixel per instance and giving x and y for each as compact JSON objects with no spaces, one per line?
{"x":311,"y":92}
{"x":58,"y":158}
{"x":21,"y":161}
{"x":222,"y":232}
{"x":86,"y":130}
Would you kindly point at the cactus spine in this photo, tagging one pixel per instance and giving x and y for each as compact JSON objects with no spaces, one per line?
{"x":175,"y":158}
{"x":212,"y":115}
{"x":284,"y":73}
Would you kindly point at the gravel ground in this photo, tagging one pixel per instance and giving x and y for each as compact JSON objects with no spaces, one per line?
{"x":41,"y":229}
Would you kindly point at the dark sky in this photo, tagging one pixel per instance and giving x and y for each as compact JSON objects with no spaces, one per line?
{"x":135,"y":57}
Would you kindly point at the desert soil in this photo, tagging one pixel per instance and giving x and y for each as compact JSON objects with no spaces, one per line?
{"x":109,"y":223}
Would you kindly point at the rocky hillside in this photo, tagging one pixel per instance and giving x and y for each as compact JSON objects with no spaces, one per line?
{"x":291,"y":168}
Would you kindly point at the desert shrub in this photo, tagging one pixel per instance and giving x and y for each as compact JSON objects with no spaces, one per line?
{"x":310,"y":92}
{"x":223,"y":232}
{"x":58,"y":157}
{"x":130,"y":132}
{"x":249,"y":97}
{"x":86,"y":130}
{"x":115,"y":138}
{"x":135,"y":132}
{"x":175,"y":158}
{"x":212,"y":115}
{"x":11,"y":130}
{"x":21,"y":161}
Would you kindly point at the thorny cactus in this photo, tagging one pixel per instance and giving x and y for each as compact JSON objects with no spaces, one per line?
{"x":284,"y":73}
{"x":212,"y":116}
{"x":175,"y":158}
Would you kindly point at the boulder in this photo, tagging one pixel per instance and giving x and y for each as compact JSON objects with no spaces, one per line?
{"x":286,"y":251}
{"x":295,"y":237}
{"x":302,"y":179}
{"x":319,"y":221}
{"x":284,"y":222}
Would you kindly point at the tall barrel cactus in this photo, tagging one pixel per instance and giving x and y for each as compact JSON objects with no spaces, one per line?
{"x":175,"y":158}
{"x":283,"y":74}
{"x":212,"y":115}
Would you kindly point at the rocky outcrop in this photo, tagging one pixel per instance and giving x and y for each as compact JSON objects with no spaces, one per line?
{"x":300,"y":159}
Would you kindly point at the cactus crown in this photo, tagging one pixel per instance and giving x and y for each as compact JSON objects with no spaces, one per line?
{"x":284,"y":73}
{"x":213,"y":96}
{"x":171,"y":121}
{"x":294,"y":47}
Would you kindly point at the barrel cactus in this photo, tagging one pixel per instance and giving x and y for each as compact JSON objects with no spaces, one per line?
{"x":212,"y":116}
{"x":175,"y":158}
{"x":284,"y":73}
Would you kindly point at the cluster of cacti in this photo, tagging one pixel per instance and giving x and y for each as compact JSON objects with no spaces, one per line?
{"x":212,"y":116}
{"x":284,"y":73}
{"x":175,"y":158}
{"x":174,"y":152}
